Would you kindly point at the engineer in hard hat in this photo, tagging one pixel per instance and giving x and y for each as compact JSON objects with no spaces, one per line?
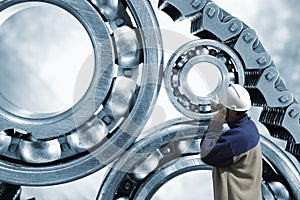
{"x":235,"y":153}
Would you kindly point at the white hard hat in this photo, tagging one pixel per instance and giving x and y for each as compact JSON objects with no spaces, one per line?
{"x":236,"y":98}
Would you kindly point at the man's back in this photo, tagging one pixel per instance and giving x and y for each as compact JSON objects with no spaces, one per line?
{"x":237,"y":162}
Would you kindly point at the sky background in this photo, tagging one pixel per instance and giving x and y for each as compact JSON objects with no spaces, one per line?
{"x":277,"y":24}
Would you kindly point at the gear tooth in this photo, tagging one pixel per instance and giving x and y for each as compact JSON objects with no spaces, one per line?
{"x":251,"y":78}
{"x":273,"y":119}
{"x":294,"y":149}
{"x":272,"y":116}
{"x":170,"y":10}
{"x":196,"y":24}
{"x":257,"y":98}
{"x":279,"y":133}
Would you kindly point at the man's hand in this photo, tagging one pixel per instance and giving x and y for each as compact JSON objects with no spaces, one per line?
{"x":220,"y":116}
{"x":216,"y":104}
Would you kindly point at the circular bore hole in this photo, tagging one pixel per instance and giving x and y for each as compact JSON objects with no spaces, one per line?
{"x":191,"y":185}
{"x":45,"y":51}
{"x":203,"y":79}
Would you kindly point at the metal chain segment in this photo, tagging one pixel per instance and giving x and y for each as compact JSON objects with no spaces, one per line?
{"x":266,"y":83}
{"x":179,"y":10}
{"x":262,"y":79}
{"x":252,"y":52}
{"x":212,"y":15}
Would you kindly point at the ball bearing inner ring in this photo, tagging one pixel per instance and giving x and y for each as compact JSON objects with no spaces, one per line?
{"x":211,"y":85}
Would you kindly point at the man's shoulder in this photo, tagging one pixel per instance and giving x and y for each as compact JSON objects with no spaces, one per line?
{"x":241,"y":140}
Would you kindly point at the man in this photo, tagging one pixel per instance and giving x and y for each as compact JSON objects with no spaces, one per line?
{"x":235,"y":154}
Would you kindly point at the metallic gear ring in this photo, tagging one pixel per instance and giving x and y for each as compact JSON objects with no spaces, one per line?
{"x":173,"y":150}
{"x":54,"y":147}
{"x":209,"y":58}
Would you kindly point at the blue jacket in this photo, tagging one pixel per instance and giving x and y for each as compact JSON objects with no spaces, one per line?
{"x":236,"y":157}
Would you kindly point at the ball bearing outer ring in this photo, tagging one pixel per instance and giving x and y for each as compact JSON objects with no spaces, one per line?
{"x":185,"y":160}
{"x":124,"y":136}
{"x":201,"y":58}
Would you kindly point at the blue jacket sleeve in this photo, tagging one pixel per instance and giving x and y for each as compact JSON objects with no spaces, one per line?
{"x":215,"y":148}
{"x":220,"y":155}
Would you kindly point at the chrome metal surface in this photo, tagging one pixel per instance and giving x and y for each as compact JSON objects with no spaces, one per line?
{"x":87,"y":136}
{"x":108,"y":8}
{"x":128,"y":47}
{"x":5,"y":141}
{"x":119,"y":101}
{"x":39,"y":152}
{"x":266,"y":83}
